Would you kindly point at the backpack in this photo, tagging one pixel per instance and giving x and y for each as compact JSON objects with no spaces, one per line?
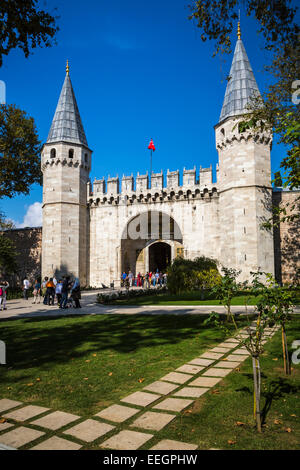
{"x":1,"y":292}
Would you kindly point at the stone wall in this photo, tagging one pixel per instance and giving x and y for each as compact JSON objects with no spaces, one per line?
{"x":286,"y":239}
{"x":28,"y":242}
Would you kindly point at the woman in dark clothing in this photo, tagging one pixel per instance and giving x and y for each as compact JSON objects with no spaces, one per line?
{"x":75,"y":293}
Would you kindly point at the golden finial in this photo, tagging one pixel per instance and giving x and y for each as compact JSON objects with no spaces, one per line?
{"x":67,"y":68}
{"x":239,"y":31}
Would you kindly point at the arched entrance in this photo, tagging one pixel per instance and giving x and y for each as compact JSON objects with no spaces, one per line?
{"x":150,"y":241}
{"x":159,"y":256}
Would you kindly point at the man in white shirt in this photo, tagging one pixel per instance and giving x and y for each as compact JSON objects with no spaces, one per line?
{"x":26,"y":285}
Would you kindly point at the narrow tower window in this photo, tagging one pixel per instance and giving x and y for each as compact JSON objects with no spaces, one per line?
{"x":71,"y":153}
{"x":53,"y":153}
{"x":86,"y":157}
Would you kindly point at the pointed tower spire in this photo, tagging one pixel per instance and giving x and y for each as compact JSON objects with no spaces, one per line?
{"x":241,"y":85}
{"x":66,"y":125}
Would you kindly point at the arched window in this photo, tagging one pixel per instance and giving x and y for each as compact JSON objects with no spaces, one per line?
{"x":71,"y":153}
{"x":52,"y":153}
{"x":86,"y":157}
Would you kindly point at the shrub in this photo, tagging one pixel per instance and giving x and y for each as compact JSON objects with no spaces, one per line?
{"x":186,"y":275}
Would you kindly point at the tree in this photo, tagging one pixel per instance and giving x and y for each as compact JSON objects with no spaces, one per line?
{"x":19,"y":152}
{"x":227,"y":288}
{"x":279,"y":106}
{"x":23,"y":25}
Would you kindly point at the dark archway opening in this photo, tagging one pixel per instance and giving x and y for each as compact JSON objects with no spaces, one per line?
{"x":159,"y":256}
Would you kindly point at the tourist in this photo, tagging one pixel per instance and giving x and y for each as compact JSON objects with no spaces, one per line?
{"x":64,"y":292}
{"x":139,"y":280}
{"x":142,"y":280}
{"x":26,"y":285}
{"x":58,"y":289}
{"x":36,"y":292}
{"x":160,"y":279}
{"x":50,"y":293}
{"x":75,"y":293}
{"x":147,"y":280}
{"x":4,"y":285}
{"x":123,"y":278}
{"x":130,"y":278}
{"x":44,"y":290}
{"x":157,"y":278}
{"x":165,"y":277}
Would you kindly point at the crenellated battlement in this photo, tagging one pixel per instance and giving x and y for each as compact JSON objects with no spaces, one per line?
{"x":138,"y":189}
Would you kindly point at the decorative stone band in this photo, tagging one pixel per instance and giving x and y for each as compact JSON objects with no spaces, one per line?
{"x":233,"y":137}
{"x":246,"y":186}
{"x":64,"y":162}
{"x":151,"y":196}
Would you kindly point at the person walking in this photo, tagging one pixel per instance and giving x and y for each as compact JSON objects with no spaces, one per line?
{"x":130,"y":278}
{"x":64,"y":292}
{"x":147,"y":280}
{"x":26,"y":285}
{"x":44,"y":290}
{"x":50,"y":293}
{"x":75,"y":293}
{"x":36,"y":292}
{"x":58,"y":289}
{"x":4,"y":285}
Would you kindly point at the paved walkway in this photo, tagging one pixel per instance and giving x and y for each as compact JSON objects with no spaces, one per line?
{"x":134,"y":420}
{"x":20,"y":308}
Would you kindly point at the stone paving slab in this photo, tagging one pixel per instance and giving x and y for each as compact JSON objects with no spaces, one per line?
{"x":205,"y":382}
{"x":57,"y":443}
{"x":227,"y":364}
{"x":189,"y":369}
{"x":20,"y":436}
{"x":241,"y":351}
{"x":4,"y":426}
{"x":202,"y":362}
{"x":89,"y":430}
{"x":6,"y":404}
{"x":22,"y":414}
{"x":126,"y":440}
{"x":55,"y":420}
{"x":228,"y":345}
{"x":117,"y":413}
{"x":220,"y":349}
{"x":141,"y":398}
{"x":164,"y":388}
{"x":191,"y":392}
{"x":237,"y":357}
{"x":216,"y":372}
{"x":211,"y":355}
{"x":153,"y":421}
{"x":176,"y":377}
{"x":173,"y":404}
{"x":231,"y":340}
{"x":168,"y":444}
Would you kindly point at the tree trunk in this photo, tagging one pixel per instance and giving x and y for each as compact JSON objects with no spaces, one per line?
{"x":285,"y":352}
{"x":257,"y":381}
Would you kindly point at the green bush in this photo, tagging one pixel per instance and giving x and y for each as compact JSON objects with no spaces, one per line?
{"x":185,"y":275}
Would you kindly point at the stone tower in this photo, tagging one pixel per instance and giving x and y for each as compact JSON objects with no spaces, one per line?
{"x":245,"y":192}
{"x":66,"y":164}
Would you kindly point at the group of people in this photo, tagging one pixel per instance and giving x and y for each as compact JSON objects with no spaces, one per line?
{"x":52,"y":289}
{"x":144,"y":280}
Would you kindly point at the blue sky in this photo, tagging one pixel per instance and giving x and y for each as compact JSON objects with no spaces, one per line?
{"x":139,"y":71}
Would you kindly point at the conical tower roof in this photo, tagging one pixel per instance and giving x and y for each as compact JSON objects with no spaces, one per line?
{"x":241,"y":85}
{"x":66,"y":125}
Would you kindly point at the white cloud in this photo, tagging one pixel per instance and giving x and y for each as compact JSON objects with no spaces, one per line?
{"x":33,"y":216}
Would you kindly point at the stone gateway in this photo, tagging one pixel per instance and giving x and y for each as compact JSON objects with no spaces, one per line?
{"x":97,"y":231}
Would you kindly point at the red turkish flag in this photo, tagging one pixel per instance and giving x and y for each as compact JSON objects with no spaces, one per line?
{"x":151,"y":146}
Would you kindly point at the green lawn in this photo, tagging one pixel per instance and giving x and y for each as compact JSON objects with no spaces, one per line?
{"x":83,"y":364}
{"x":86,"y":363}
{"x":190,"y":298}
